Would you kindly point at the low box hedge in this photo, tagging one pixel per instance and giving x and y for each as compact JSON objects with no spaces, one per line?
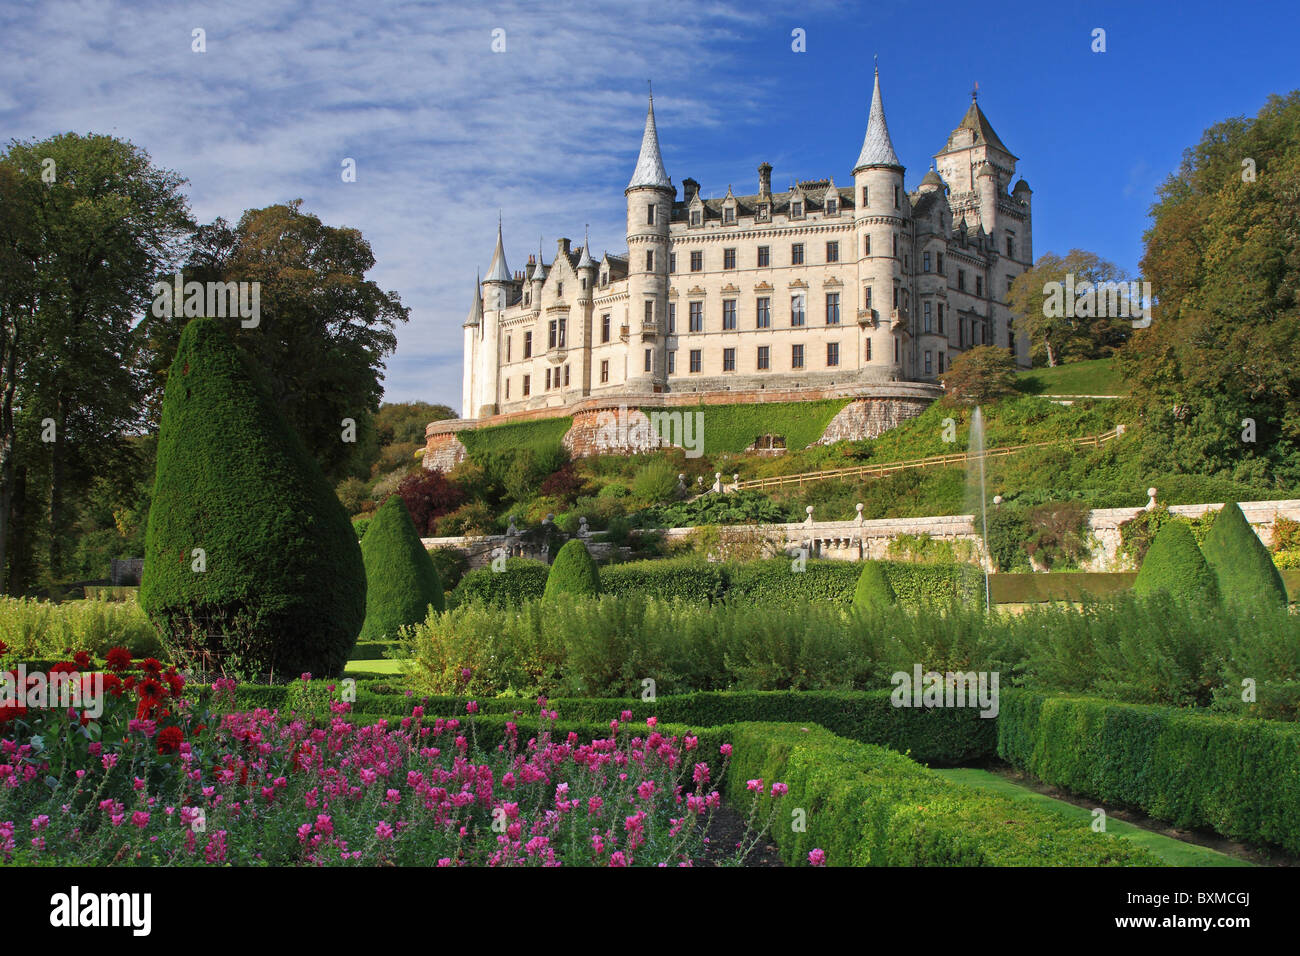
{"x":1237,"y":776}
{"x":1032,"y":588}
{"x":868,"y":806}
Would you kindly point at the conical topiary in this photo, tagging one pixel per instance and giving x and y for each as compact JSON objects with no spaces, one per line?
{"x":573,"y":572}
{"x":1175,"y":565}
{"x":401,"y":581}
{"x":1242,"y":565}
{"x":873,"y":589}
{"x":250,"y":562}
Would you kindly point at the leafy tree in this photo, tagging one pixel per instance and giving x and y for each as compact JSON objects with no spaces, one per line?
{"x":873,"y":589}
{"x":1059,"y":338}
{"x":1175,"y":565}
{"x":251,"y":563}
{"x":980,"y":375}
{"x":1240,"y":562}
{"x":428,"y":496}
{"x":86,"y":224}
{"x":1216,"y":371}
{"x":324,"y":329}
{"x":401,"y":581}
{"x":573,"y":572}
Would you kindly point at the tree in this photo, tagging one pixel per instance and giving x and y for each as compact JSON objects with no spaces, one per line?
{"x":1058,"y":334}
{"x":428,"y":496}
{"x":1242,"y":565}
{"x":251,"y":563}
{"x":324,"y":330}
{"x":1215,"y":374}
{"x":86,"y":224}
{"x":980,"y":375}
{"x":401,"y":581}
{"x":573,"y":572}
{"x":1174,"y":564}
{"x":873,"y":589}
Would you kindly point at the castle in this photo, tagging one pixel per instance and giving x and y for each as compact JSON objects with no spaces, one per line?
{"x":819,"y":287}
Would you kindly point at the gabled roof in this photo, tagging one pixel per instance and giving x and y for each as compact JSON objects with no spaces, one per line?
{"x":877,"y":150}
{"x":979,"y":124}
{"x":649,"y":169}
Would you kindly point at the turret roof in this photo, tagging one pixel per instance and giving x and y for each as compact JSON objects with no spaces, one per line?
{"x":649,"y":169}
{"x":476,"y":309}
{"x":498,"y":272}
{"x":877,"y":150}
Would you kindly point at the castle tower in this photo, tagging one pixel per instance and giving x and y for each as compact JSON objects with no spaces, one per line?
{"x":473,"y":330}
{"x":978,"y":169}
{"x":650,"y":195}
{"x":881,"y":235}
{"x":496,"y":295}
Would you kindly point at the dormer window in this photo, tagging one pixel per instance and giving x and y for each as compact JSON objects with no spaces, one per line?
{"x":796,"y":209}
{"x":697,"y":217}
{"x":604,"y":279}
{"x":764,"y":213}
{"x":832,"y":207}
{"x":729,"y":215}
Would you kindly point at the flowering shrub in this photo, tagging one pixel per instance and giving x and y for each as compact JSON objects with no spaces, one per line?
{"x":256,"y":789}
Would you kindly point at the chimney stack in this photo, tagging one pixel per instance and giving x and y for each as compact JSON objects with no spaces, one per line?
{"x":765,"y":179}
{"x":690,"y":188}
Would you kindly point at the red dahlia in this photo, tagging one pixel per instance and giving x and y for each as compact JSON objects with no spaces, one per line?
{"x":170,"y":740}
{"x":118,"y":659}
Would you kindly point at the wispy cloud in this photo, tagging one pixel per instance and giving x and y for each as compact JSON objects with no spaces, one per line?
{"x":444,"y":131}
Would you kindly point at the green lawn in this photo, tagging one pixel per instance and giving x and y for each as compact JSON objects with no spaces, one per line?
{"x":1093,"y":377}
{"x":1174,"y":852}
{"x":378,"y":668}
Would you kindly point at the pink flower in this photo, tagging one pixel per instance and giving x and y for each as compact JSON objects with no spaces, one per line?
{"x":692,"y":743}
{"x":779,"y":789}
{"x":817,"y":857}
{"x":756,"y":785}
{"x":384,"y":831}
{"x":651,"y":721}
{"x":471,"y":707}
{"x":617,"y":859}
{"x":464,"y":673}
{"x":701,"y":773}
{"x":725,"y":750}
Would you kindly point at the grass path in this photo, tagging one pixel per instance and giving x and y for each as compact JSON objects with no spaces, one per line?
{"x":375,"y":668}
{"x":1174,"y":852}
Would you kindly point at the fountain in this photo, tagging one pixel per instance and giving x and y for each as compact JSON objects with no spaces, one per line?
{"x":974,"y":474}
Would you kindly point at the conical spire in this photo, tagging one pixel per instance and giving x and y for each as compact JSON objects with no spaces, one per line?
{"x":476,"y":309}
{"x":586,"y":262}
{"x":539,"y":272}
{"x":650,"y":164}
{"x":498,"y":272}
{"x":877,"y":150}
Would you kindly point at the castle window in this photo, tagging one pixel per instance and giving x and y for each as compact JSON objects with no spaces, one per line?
{"x":941,"y":318}
{"x":763,"y":308}
{"x":650,"y":260}
{"x":895,"y":197}
{"x":797,"y":306}
{"x":649,"y":312}
{"x":697,"y":261}
{"x":604,"y":372}
{"x":896,"y":296}
{"x":527,"y":297}
{"x":867,"y":356}
{"x":925,"y":262}
{"x":832,"y":354}
{"x":927,"y":318}
{"x":604,"y":279}
{"x":764,"y":257}
{"x":907,"y":263}
{"x":1011,"y":247}
{"x":650,"y":214}
{"x":832,"y":252}
{"x":697,"y":317}
{"x":865,"y":201}
{"x":796,"y":210}
{"x":729,"y":215}
{"x":928,"y":359}
{"x":604,"y":327}
{"x":832,"y":206}
{"x":728,"y":258}
{"x":866,"y":297}
{"x":796,"y":356}
{"x":551,"y":335}
{"x":559,"y":289}
{"x":695,"y":360}
{"x":796,"y":254}
{"x":528,"y":348}
{"x":548,"y":379}
{"x":961,"y":280}
{"x":566,"y":376}
{"x":527,"y":384}
{"x":940,"y":262}
{"x":764,"y":213}
{"x":897,"y":356}
{"x":507,"y":348}
{"x":672,"y":318}
{"x":895,"y":245}
{"x":764,"y":358}
{"x":729,"y":314}
{"x":672,"y":363}
{"x":649,"y":359}
{"x":866,"y":245}
{"x":672,"y":262}
{"x":832,"y":308}
{"x":696,"y":217}
{"x":728,"y":360}
{"x":507,"y":388}
{"x":940,"y":363}
{"x":583,"y":280}
{"x":564,"y":326}
{"x":979,"y":285}
{"x":1010,"y":280}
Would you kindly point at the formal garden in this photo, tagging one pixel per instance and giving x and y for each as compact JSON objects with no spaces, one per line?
{"x":279,"y":692}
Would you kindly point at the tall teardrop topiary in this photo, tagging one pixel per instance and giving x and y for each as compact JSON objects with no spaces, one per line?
{"x":401,"y":581}
{"x":251,"y":564}
{"x":1175,"y":565}
{"x":873,"y":589}
{"x":1242,"y":565}
{"x":573,"y":572}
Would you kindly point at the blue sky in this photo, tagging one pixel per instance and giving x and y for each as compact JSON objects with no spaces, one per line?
{"x":445,"y":132}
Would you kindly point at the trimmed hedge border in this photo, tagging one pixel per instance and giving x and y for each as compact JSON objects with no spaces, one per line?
{"x":868,"y":806}
{"x":1236,"y":776}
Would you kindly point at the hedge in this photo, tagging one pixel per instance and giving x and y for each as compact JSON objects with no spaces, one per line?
{"x":688,"y":578}
{"x":944,"y":736}
{"x":573,"y":572}
{"x":401,"y":581}
{"x":522,"y":580}
{"x":868,"y":806}
{"x":1239,"y":560}
{"x":1034,"y":588}
{"x":1236,"y":776}
{"x":1175,"y":564}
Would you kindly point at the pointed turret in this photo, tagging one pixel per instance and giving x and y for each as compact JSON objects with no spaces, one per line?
{"x":585,"y":261}
{"x":498,"y":272}
{"x":877,"y":150}
{"x":649,"y":169}
{"x":476,"y":308}
{"x":539,"y":271}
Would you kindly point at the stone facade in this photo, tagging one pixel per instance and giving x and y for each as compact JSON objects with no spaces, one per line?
{"x":818,"y":286}
{"x":443,"y":451}
{"x":865,"y":418}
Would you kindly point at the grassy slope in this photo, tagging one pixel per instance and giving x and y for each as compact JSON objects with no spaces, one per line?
{"x":539,"y":435}
{"x":1093,"y":377}
{"x":1174,"y":852}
